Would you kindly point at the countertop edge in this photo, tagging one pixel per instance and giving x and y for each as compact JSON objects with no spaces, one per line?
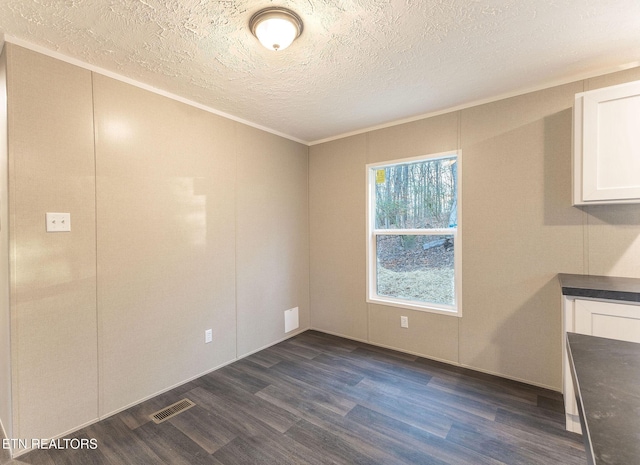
{"x":600,"y":287}
{"x":586,"y":435}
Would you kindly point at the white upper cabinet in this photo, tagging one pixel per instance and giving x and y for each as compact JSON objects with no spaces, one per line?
{"x":606,"y":145}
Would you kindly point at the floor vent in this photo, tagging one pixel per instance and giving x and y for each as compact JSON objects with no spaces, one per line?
{"x":172,"y":410}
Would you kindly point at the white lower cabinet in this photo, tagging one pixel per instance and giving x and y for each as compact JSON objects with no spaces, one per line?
{"x":612,"y":319}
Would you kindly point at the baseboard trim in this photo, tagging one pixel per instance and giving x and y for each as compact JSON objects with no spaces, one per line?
{"x":436,"y":359}
{"x":4,"y":432}
{"x":162,"y":391}
{"x":331,"y":333}
{"x":58,"y":436}
{"x":206,"y":372}
{"x":289,"y":336}
{"x":512,"y":378}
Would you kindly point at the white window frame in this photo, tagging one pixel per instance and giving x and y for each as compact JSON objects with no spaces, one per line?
{"x":372,"y":233}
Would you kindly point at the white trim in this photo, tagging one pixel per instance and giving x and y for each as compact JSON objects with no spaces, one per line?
{"x":429,"y":307}
{"x":288,"y":336}
{"x":416,"y":232}
{"x":4,"y":432}
{"x":222,"y":365}
{"x":457,"y":257}
{"x":442,"y":360}
{"x":475,"y":103}
{"x":58,"y":436}
{"x":73,"y":61}
{"x":371,"y":295}
{"x":345,"y":336}
{"x":547,"y":85}
{"x":9,"y":419}
{"x":512,"y":378}
{"x":162,"y":391}
{"x":401,"y":161}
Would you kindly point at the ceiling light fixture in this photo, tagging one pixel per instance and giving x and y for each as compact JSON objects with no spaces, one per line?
{"x":276,"y":28}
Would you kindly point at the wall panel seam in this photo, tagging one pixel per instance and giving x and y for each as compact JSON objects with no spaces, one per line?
{"x":95,"y":219}
{"x":12,"y":259}
{"x":10,"y":428}
{"x":367,"y":140}
{"x":235,"y":232}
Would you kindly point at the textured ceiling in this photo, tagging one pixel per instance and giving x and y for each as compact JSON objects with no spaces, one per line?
{"x":358,"y":63}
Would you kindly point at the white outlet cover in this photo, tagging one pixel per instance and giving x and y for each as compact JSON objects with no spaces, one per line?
{"x":404,"y":321}
{"x":291,"y":319}
{"x":208,"y":336}
{"x":58,"y":222}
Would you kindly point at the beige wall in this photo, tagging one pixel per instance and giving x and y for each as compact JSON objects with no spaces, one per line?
{"x":272,"y":240}
{"x":518,"y":231}
{"x":184,"y":221}
{"x":337,"y":225}
{"x":53,"y":276}
{"x":116,"y":310}
{"x":166,"y":230}
{"x":6,"y":422}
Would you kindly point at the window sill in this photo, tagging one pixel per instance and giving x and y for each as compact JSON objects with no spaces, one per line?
{"x":426,"y":307}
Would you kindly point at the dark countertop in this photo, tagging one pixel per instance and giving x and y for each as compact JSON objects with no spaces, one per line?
{"x":606,"y":377}
{"x":600,"y":287}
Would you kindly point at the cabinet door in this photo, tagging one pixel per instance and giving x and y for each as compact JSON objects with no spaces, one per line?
{"x":607,"y":145}
{"x":610,"y":320}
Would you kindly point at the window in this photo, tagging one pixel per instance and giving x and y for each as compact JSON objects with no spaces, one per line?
{"x":414,"y":247}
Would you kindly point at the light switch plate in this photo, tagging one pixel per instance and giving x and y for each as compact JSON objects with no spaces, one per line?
{"x":58,"y":222}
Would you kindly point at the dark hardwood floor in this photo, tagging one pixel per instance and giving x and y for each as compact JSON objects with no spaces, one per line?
{"x":319,"y":399}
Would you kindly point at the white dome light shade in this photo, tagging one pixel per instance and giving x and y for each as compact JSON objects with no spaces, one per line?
{"x":276,"y":33}
{"x":276,"y":28}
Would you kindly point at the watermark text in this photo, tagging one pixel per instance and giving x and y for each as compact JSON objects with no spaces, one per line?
{"x":63,"y":443}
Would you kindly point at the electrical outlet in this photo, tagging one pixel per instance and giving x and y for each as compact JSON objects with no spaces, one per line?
{"x":208,"y":336}
{"x":404,"y":321}
{"x":58,"y":222}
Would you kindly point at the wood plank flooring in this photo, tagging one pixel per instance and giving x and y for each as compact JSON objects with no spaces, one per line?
{"x":319,"y":399}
